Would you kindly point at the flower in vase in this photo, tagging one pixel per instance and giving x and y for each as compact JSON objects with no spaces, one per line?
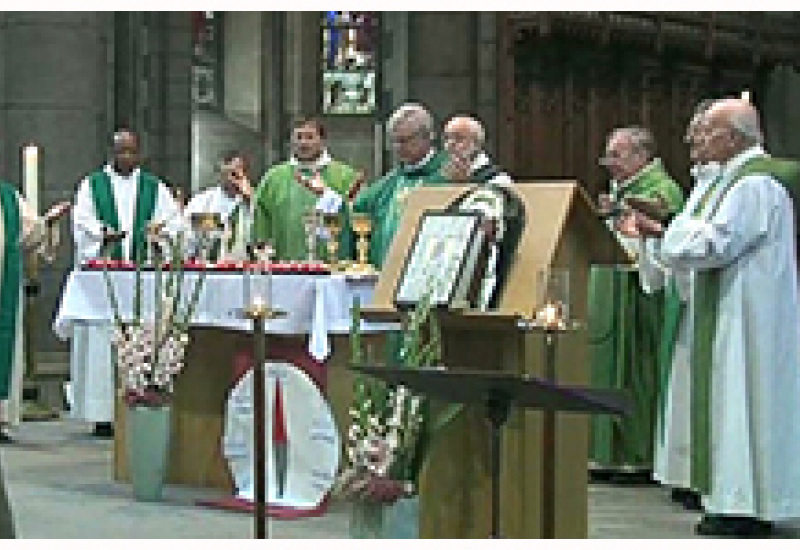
{"x":151,"y":347}
{"x":390,"y":429}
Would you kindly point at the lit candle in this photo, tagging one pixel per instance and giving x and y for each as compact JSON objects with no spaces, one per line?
{"x":259,"y":305}
{"x":30,"y":175}
{"x":550,"y":315}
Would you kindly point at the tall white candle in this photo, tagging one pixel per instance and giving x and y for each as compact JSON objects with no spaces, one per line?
{"x":30,"y":176}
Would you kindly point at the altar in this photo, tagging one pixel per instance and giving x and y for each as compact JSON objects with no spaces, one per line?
{"x":313,"y":335}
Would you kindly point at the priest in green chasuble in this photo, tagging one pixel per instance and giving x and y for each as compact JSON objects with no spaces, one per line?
{"x":738,"y":236}
{"x":625,"y":321}
{"x":411,"y":133}
{"x":311,"y":180}
{"x":22,"y":232}
{"x":113,"y":207}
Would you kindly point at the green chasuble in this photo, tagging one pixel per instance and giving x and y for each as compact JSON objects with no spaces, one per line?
{"x":706,"y":311}
{"x":282,"y":201}
{"x":106,"y":209}
{"x":10,"y":283}
{"x":626,"y":326}
{"x":385,"y":198}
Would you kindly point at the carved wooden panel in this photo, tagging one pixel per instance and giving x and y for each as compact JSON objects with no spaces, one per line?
{"x":569,"y":93}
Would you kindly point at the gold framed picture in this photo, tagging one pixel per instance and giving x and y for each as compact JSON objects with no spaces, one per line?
{"x":442,"y":259}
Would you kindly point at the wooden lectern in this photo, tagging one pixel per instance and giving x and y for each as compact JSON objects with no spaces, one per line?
{"x":562,"y":229}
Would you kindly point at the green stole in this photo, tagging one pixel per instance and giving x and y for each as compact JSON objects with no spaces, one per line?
{"x":10,"y":284}
{"x":706,"y":313}
{"x":106,"y":210}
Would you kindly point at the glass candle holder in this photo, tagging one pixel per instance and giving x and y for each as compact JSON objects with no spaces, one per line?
{"x":552,"y":299}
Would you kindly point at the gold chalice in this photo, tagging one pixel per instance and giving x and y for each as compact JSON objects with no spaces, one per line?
{"x":206,"y":222}
{"x":333,"y":223}
{"x":362,"y":225}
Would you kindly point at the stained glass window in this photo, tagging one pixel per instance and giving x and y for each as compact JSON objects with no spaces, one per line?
{"x":349,"y":60}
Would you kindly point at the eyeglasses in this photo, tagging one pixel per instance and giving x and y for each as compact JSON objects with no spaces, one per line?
{"x":404,"y":140}
{"x":704,"y":134}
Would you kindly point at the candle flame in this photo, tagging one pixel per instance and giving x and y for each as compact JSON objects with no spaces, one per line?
{"x":549,"y":316}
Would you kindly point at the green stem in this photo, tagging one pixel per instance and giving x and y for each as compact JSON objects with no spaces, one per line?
{"x":112,"y":298}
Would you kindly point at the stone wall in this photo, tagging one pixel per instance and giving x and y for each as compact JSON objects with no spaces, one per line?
{"x":67,"y":79}
{"x":55,"y":81}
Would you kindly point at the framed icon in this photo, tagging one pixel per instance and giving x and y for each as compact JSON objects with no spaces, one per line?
{"x":442,"y":259}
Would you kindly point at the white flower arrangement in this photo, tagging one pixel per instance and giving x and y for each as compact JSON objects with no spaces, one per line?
{"x":150,"y":350}
{"x":391,"y":429}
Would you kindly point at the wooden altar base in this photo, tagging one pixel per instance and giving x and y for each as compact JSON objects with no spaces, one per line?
{"x":201,"y":390}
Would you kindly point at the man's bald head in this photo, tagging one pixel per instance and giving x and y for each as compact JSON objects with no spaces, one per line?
{"x":464,"y":136}
{"x":740,"y":115}
{"x":734,"y":125}
{"x":466,"y":125}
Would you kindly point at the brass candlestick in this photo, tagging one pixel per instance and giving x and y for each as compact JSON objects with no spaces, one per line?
{"x":258,"y":308}
{"x":333,"y":224}
{"x":257,"y":312}
{"x":362,"y":225}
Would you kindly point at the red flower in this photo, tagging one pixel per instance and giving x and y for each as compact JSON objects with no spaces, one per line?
{"x":146,"y":398}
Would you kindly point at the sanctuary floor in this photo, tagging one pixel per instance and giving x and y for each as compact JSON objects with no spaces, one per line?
{"x":59,"y":478}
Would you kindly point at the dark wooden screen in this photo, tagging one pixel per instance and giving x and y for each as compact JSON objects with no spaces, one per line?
{"x":563,"y":90}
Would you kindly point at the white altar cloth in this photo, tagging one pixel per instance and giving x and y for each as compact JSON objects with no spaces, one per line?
{"x":317,"y":305}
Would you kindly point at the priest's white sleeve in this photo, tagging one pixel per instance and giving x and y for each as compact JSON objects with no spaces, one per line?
{"x":741,"y":221}
{"x":87,"y":230}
